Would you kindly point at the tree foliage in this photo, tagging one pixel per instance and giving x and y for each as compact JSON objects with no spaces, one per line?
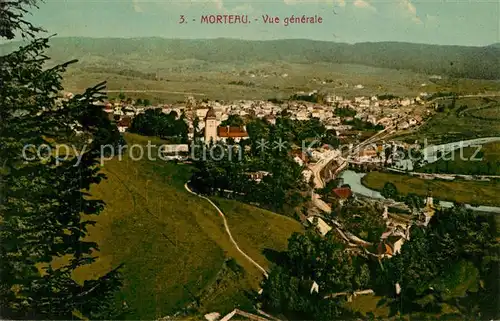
{"x":364,"y":221}
{"x":451,"y":262}
{"x":414,"y":201}
{"x":156,"y":123}
{"x":449,"y":265}
{"x":12,"y":19}
{"x":234,"y":121}
{"x":312,"y":258}
{"x":226,"y":167}
{"x":42,"y":196}
{"x":389,"y":191}
{"x":345,"y":112}
{"x":229,"y":167}
{"x":293,"y":132}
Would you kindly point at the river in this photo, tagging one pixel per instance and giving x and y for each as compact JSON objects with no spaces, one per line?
{"x":354,"y":180}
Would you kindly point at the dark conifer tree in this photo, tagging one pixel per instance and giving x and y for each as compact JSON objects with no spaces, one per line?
{"x":45,"y":207}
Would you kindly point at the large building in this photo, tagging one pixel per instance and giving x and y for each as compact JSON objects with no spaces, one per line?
{"x":215,"y":133}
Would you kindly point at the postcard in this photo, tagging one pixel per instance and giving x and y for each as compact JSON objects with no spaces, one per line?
{"x":249,"y":160}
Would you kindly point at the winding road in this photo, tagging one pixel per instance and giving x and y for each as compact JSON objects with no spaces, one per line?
{"x":226,"y":227}
{"x":465,"y":96}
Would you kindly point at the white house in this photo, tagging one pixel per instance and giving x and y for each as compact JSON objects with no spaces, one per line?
{"x":307,"y":173}
{"x":201,"y":112}
{"x":314,"y":287}
{"x":403,"y":125}
{"x":405,"y":102}
{"x":298,"y":160}
{"x":322,"y":227}
{"x":175,"y":148}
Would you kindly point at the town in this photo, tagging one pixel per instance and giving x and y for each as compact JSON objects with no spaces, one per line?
{"x":342,"y":140}
{"x":335,"y":113}
{"x":335,"y":160}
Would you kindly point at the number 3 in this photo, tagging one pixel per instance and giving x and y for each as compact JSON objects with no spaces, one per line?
{"x":182,"y":19}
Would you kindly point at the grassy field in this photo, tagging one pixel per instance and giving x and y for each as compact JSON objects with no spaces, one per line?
{"x":369,"y":303}
{"x":454,"y":124}
{"x":487,"y":113}
{"x":465,"y":164}
{"x":471,"y":192}
{"x":258,"y":81}
{"x":234,"y":81}
{"x":173,"y":243}
{"x":273,"y":229}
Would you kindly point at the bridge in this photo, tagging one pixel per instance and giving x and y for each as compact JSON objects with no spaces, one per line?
{"x":431,"y":152}
{"x":332,"y":166}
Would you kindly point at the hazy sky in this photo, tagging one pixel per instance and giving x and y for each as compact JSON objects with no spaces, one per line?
{"x":461,"y":22}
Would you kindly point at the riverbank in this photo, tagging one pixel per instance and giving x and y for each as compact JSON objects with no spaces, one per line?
{"x":469,"y":192}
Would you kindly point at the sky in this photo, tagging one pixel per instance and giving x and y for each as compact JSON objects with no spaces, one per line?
{"x":450,"y":22}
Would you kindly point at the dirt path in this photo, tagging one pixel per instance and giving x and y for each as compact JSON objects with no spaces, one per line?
{"x":226,"y":226}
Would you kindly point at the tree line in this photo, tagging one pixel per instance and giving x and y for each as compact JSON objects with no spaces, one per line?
{"x":467,"y":62}
{"x":412,"y":200}
{"x":154,"y":122}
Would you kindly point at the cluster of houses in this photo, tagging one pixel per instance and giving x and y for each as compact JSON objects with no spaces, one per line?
{"x":375,"y":156}
{"x":397,"y":232}
{"x":397,"y":226}
{"x":211,"y":114}
{"x":386,"y":112}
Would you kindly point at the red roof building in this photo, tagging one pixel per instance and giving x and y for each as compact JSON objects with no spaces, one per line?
{"x":384,"y":250}
{"x":231,"y":132}
{"x":342,"y":193}
{"x":125,"y":122}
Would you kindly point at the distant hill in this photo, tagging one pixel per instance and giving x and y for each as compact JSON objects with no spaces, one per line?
{"x":456,"y":61}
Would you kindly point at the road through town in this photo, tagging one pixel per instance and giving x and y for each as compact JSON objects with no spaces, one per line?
{"x":330,"y":156}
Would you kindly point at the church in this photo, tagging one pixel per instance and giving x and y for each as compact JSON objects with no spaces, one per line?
{"x":216,"y":133}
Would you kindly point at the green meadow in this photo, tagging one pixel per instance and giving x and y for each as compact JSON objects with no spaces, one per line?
{"x":175,"y":250}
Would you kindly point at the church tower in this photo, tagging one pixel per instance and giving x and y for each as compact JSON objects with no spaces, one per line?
{"x":210,"y":126}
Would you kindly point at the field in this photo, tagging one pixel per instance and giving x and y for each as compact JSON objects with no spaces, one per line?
{"x":273,"y":229}
{"x":457,"y":124}
{"x":465,"y":164}
{"x":470,"y":192}
{"x":173,"y":243}
{"x":257,"y":81}
{"x":369,"y":303}
{"x":488,"y":112}
{"x":230,"y":81}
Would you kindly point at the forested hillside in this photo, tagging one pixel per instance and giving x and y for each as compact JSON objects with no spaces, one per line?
{"x":457,"y":61}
